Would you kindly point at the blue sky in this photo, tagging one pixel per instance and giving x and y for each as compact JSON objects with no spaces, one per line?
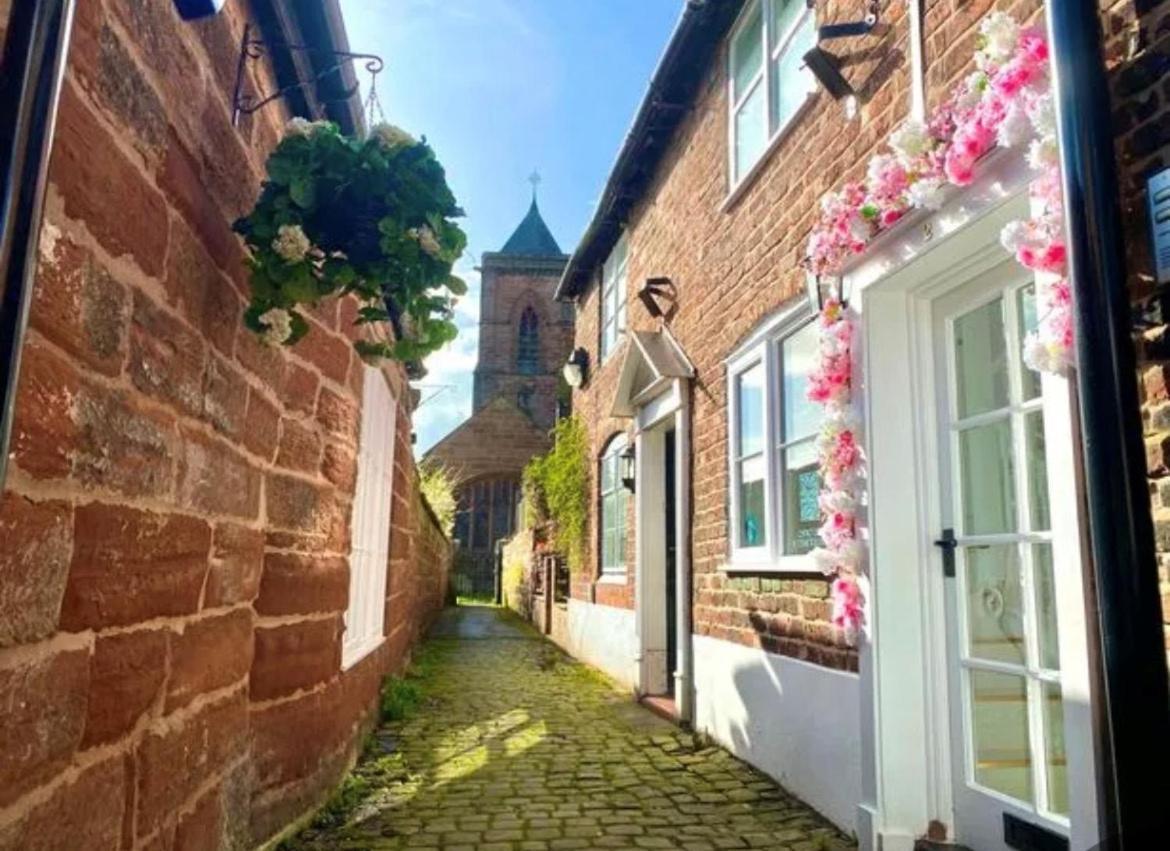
{"x":500,"y":88}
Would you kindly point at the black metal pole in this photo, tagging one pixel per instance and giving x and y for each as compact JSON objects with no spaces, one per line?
{"x":35,"y":49}
{"x":1135,"y":697}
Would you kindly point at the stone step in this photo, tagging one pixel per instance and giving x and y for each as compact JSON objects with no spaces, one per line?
{"x":933,"y":845}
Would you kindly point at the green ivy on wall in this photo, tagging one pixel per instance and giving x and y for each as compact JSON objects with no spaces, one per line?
{"x":556,"y":488}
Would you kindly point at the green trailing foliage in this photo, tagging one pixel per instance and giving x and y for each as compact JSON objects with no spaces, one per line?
{"x":438,"y":485}
{"x":372,"y":217}
{"x":556,"y":489}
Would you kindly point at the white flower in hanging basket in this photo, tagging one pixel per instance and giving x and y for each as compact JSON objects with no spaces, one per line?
{"x":278,"y":326}
{"x":390,"y":136}
{"x":291,"y":243}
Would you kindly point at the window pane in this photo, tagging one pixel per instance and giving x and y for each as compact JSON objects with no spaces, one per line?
{"x":798,"y":357}
{"x":981,"y":377}
{"x":1026,"y":309}
{"x":791,"y":81}
{"x":747,"y":53}
{"x":1046,"y":606}
{"x":751,"y":502}
{"x":1038,"y":510}
{"x":1002,"y":746}
{"x":750,"y":131}
{"x":784,"y":15}
{"x":1054,"y":748}
{"x":750,"y":405}
{"x":995,"y":604}
{"x":801,"y":487}
{"x":988,"y":489}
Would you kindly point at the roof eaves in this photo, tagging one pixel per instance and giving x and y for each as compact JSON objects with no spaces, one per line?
{"x":680,"y":71}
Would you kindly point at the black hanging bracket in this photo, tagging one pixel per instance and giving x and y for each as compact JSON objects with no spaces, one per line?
{"x":253,"y":47}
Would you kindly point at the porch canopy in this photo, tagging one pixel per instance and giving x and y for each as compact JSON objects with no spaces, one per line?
{"x":653,"y":361}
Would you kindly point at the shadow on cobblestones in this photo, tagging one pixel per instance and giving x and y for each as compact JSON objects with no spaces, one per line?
{"x":514,"y":746}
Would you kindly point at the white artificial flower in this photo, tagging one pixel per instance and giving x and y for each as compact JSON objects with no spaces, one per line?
{"x":825,"y":560}
{"x":911,"y":140}
{"x":1015,"y":235}
{"x":277,"y":323}
{"x":1001,"y":36}
{"x":1038,"y":356}
{"x":390,"y":136}
{"x":926,"y":193}
{"x":1042,"y":112}
{"x":291,"y":243}
{"x":860,"y":228}
{"x":1043,"y":153}
{"x":1015,"y":128}
{"x":972,"y":90}
{"x":839,"y":502}
{"x":426,"y":240}
{"x":300,"y":127}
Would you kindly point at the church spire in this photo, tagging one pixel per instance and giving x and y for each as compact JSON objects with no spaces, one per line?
{"x":532,"y":237}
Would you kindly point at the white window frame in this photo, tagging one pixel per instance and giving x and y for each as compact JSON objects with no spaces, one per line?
{"x":774,"y":47}
{"x":369,"y":558}
{"x":612,"y":455}
{"x":764,"y":346}
{"x":613,"y":297}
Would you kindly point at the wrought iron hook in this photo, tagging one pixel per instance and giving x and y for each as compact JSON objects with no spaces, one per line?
{"x":253,"y":48}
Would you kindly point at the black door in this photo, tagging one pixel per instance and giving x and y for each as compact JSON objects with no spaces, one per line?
{"x":671,"y":549}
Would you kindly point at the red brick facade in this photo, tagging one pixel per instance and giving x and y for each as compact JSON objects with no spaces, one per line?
{"x":1138,"y":52}
{"x":176,"y":524}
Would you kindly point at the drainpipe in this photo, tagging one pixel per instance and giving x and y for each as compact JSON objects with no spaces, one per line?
{"x":35,"y":49}
{"x":917,"y":62}
{"x":1132,"y":664}
{"x":684,"y":676}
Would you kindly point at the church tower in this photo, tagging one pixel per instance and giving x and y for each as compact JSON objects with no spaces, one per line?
{"x":524,"y":335}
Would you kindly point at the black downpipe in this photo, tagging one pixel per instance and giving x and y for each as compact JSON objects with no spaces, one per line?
{"x":1135,"y":697}
{"x":35,"y":49}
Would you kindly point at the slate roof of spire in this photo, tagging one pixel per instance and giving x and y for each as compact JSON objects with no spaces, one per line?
{"x":532,"y":238}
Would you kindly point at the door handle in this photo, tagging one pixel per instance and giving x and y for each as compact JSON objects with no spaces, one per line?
{"x":947,"y":544}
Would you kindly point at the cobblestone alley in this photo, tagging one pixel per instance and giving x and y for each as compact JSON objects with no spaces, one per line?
{"x":514,"y":746}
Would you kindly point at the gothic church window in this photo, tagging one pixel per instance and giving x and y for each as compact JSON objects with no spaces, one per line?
{"x":528,"y":345}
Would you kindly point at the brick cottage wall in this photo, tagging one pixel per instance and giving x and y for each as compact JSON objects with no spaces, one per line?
{"x":734,"y":265}
{"x":1138,"y":54}
{"x":175,"y":529}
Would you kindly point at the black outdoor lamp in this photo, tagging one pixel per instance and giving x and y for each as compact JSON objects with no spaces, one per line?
{"x":826,"y":66}
{"x":821,"y":288}
{"x":629,"y":473}
{"x":576,"y":369}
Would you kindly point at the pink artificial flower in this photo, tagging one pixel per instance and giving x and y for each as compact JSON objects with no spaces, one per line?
{"x":1034,"y":46}
{"x":960,"y":169}
{"x":889,"y":217}
{"x":1010,"y":80}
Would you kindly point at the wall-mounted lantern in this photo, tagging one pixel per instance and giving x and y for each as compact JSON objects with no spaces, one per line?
{"x":826,"y":66}
{"x":660,"y":297}
{"x":576,"y":369}
{"x":820,"y":289}
{"x":628,"y":468}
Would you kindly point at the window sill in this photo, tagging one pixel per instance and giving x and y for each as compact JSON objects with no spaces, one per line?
{"x":782,"y":132}
{"x":351,"y":654}
{"x":613,"y":579}
{"x":784,"y":565}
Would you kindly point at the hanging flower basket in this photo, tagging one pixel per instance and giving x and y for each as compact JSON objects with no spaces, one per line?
{"x":370,"y":217}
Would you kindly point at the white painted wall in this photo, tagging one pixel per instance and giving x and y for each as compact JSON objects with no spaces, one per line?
{"x":606,"y":638}
{"x":797,"y":722}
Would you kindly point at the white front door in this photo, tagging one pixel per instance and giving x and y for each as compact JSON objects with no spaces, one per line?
{"x":1003,"y":655}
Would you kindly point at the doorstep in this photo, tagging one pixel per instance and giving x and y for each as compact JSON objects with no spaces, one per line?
{"x":932,"y":845}
{"x":662,"y":705}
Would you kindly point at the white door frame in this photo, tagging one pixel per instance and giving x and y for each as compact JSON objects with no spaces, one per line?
{"x":652,"y":419}
{"x":907,"y":775}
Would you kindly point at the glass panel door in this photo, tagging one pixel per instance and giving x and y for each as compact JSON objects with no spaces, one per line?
{"x":1005,"y":690}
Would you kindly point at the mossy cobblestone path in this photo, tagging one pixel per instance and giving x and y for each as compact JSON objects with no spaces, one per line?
{"x":515,"y":747}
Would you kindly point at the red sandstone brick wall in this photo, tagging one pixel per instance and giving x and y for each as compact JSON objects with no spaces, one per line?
{"x":736,"y":264}
{"x":173,"y":571}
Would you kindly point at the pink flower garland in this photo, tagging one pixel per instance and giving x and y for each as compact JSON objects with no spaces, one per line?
{"x":839,"y":452}
{"x":1006,"y":102}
